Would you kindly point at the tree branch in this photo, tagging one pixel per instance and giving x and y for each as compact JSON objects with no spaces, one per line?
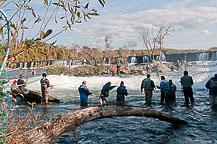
{"x":49,"y":132}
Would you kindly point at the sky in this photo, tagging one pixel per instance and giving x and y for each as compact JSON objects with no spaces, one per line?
{"x":194,"y":21}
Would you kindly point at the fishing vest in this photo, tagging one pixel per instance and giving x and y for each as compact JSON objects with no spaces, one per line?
{"x":147,"y":83}
{"x":213,"y":84}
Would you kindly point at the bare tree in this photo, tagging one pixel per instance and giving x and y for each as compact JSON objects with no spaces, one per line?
{"x":153,"y":41}
{"x":92,"y":55}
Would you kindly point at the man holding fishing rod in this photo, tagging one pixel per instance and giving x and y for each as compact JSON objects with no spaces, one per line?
{"x":212,"y":86}
{"x":45,"y":84}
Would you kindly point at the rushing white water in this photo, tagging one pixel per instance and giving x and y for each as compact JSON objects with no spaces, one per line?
{"x":200,"y":71}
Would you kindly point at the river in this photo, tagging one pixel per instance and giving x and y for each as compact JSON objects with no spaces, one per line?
{"x":202,"y":119}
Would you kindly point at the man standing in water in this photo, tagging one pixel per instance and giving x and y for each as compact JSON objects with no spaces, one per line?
{"x":121,"y":93}
{"x":164,"y":89}
{"x":172,"y":92}
{"x":148,"y":86}
{"x":84,"y":93}
{"x":105,"y":92}
{"x":212,"y":86}
{"x":187,"y":82}
{"x":21,"y":83}
{"x":118,"y":69}
{"x":45,"y":84}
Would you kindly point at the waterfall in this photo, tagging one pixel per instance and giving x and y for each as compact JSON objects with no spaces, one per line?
{"x":163,"y":58}
{"x":146,"y":59}
{"x":25,"y":65}
{"x":203,"y":57}
{"x":214,"y":56}
{"x":32,"y":64}
{"x":132,"y":59}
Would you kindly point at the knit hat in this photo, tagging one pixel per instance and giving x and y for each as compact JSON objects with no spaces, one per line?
{"x":185,"y":72}
{"x":122,"y":83}
{"x":44,"y":75}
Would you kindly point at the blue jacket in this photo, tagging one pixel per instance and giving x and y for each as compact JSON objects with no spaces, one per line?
{"x":84,"y":92}
{"x":106,"y":88}
{"x":122,"y":90}
{"x":212,"y":86}
{"x":164,"y":85}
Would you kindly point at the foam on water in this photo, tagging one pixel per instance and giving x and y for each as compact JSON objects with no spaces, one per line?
{"x":200,"y":72}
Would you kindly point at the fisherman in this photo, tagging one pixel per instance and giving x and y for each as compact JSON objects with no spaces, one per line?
{"x":212,"y":86}
{"x":21,"y":83}
{"x":121,"y":93}
{"x":148,"y":86}
{"x":15,"y":91}
{"x":113,"y":70}
{"x":45,"y":84}
{"x":105,"y":92}
{"x":172,"y":91}
{"x":164,"y":88}
{"x":84,"y":93}
{"x":33,"y":72}
{"x":118,"y":69}
{"x":187,"y":82}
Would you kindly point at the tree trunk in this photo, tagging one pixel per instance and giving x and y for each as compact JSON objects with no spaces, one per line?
{"x":49,"y":132}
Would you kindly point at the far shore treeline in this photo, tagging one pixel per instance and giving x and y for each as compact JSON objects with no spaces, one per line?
{"x":39,"y":51}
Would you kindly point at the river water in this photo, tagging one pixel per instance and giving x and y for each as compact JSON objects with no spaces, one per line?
{"x":202,"y":119}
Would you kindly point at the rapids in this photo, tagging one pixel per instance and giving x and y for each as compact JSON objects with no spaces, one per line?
{"x":202,"y":119}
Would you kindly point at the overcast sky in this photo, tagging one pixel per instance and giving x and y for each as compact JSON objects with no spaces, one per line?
{"x":195,"y":23}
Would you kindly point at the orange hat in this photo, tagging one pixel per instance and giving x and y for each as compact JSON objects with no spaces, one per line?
{"x":122,"y":83}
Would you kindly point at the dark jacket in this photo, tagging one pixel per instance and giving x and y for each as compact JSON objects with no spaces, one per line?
{"x":212,"y":86}
{"x":186,"y":81}
{"x":21,"y":84}
{"x":147,"y":83}
{"x":122,"y":90}
{"x":106,"y":88}
{"x":172,"y":89}
{"x":84,"y":92}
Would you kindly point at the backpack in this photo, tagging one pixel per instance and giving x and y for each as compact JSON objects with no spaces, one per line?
{"x":165,"y":86}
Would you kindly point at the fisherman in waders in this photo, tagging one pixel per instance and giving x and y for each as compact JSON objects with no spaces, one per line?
{"x":118,"y":69}
{"x":113,"y":71}
{"x":164,"y":89}
{"x":33,"y":72}
{"x":105,"y":92}
{"x":45,"y":84}
{"x":22,"y":85}
{"x":121,"y":93}
{"x":172,"y":92}
{"x":84,"y":93}
{"x":212,"y":86}
{"x":187,"y":82}
{"x":148,"y":86}
{"x":15,"y":91}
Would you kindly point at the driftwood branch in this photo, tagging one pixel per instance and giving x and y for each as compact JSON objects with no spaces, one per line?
{"x":49,"y":132}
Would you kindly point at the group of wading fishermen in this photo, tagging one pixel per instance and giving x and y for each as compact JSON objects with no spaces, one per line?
{"x":167,"y":89}
{"x":18,"y":88}
{"x":120,"y":98}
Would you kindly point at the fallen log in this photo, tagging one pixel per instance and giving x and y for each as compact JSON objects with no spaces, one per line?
{"x":49,"y":132}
